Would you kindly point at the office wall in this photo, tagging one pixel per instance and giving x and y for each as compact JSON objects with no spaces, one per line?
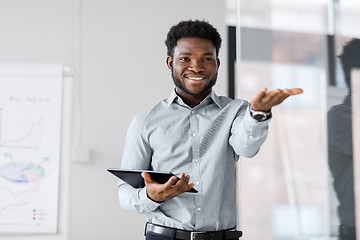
{"x":116,"y":49}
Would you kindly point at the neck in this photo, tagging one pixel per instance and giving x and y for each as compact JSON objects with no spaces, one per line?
{"x":190,"y":99}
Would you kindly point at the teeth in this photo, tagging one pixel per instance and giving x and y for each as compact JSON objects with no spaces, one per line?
{"x":195,"y":78}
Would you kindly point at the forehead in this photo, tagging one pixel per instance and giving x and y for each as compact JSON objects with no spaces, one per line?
{"x":194,"y":45}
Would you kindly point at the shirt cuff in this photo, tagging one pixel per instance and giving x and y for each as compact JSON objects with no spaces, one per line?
{"x":146,"y":201}
{"x":252,"y":125}
{"x":248,"y":115}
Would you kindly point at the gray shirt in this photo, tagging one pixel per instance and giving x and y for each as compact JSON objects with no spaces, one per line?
{"x":204,"y":142}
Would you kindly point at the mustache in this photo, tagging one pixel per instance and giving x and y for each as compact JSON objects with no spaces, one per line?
{"x":178,"y":83}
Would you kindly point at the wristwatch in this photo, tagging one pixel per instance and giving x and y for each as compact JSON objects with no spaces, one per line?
{"x":260,"y":115}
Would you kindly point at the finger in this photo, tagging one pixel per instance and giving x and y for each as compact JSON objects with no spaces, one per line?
{"x":283,"y":94}
{"x":184,"y":180}
{"x":271,"y":99}
{"x":273,"y":94}
{"x":170,"y":183}
{"x":190,"y":186}
{"x":279,"y":99}
{"x":294,"y":91}
{"x":184,"y":184}
{"x":181,"y":179}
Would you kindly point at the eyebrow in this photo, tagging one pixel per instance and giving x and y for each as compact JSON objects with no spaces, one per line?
{"x":205,"y":54}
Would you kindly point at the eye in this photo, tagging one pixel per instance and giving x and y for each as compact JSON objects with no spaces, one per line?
{"x":184,"y":59}
{"x":208,"y":59}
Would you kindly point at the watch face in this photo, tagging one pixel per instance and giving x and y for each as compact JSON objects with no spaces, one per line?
{"x":259,"y":116}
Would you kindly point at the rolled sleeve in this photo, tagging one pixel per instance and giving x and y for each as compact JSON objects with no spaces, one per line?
{"x":135,"y":200}
{"x":248,"y":134}
{"x":137,"y":155}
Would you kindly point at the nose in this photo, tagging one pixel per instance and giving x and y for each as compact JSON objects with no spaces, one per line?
{"x":196,"y":66}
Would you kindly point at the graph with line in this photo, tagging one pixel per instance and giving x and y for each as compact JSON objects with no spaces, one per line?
{"x":30,"y":130}
{"x":30,"y":139}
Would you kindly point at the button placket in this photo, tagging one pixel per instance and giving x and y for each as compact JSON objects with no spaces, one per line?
{"x":195,"y":140}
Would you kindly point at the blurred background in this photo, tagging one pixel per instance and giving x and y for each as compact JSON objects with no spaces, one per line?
{"x":112,"y":56}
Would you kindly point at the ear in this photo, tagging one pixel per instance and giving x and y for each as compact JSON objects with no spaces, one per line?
{"x":218,"y":62}
{"x":169,"y":62}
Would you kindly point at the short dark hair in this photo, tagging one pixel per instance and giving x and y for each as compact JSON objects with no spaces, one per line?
{"x":192,"y":29}
{"x":350,"y":58}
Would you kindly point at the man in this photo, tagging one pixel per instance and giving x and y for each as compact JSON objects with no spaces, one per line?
{"x":340,"y":146}
{"x":194,"y":133}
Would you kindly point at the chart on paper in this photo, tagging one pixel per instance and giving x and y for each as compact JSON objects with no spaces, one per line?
{"x":30,"y":125}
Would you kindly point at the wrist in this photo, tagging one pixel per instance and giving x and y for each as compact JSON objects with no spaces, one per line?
{"x":147,"y":194}
{"x":260,"y":116}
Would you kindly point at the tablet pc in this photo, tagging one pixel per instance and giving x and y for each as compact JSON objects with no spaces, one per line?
{"x":134,"y":178}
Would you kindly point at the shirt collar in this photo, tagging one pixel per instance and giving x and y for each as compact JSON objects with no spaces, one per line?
{"x":171,"y":98}
{"x":211,"y":95}
{"x":215,"y":98}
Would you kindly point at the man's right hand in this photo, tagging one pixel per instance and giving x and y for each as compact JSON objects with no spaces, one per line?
{"x":161,"y":192}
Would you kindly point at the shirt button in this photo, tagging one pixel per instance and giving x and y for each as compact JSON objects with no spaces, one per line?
{"x":197,"y":183}
{"x":194,"y":134}
{"x":199,"y":209}
{"x":251,"y":137}
{"x":196,"y":160}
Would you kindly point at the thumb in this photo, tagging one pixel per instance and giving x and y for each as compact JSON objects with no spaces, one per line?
{"x":146,"y":176}
{"x":258,"y":98}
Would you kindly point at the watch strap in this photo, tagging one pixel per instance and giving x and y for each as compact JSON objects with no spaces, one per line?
{"x":260,"y":115}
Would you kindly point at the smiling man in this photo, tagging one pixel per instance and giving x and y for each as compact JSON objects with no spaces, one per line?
{"x":198,"y":135}
{"x":194,"y":65}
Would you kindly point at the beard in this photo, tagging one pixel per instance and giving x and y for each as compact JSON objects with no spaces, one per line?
{"x":182,"y":86}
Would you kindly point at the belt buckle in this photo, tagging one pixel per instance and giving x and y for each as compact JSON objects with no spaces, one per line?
{"x":193,"y":235}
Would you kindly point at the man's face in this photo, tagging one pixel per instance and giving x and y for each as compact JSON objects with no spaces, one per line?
{"x":194,"y":66}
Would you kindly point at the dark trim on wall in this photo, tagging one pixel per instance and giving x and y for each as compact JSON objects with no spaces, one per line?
{"x":231,"y":60}
{"x":330,"y":45}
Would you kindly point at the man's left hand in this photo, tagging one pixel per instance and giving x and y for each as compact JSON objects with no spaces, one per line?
{"x":265,"y":100}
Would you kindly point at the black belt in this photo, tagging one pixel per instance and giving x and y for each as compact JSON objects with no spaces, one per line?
{"x":187,"y":235}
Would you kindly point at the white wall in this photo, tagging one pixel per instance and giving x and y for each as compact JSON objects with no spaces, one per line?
{"x":122,"y":72}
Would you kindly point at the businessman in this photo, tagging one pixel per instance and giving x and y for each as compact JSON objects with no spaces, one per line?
{"x":198,"y":135}
{"x":340,"y":146}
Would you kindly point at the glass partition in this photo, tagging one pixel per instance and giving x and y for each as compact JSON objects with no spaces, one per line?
{"x":302,"y":184}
